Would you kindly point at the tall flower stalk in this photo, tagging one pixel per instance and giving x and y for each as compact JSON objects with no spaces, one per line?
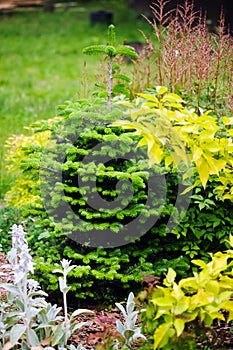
{"x":27,"y":320}
{"x":25,"y":297}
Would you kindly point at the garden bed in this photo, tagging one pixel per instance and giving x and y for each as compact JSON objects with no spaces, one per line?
{"x":102,"y":325}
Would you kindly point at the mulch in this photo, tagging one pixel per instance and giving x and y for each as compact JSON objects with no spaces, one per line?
{"x":101,"y":325}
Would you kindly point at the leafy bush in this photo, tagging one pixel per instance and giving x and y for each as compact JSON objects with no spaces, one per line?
{"x":19,"y":148}
{"x":115,"y":270}
{"x":198,"y":145}
{"x":176,"y":313}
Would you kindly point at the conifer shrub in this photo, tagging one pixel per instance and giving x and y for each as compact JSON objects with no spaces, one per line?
{"x":116,"y":172}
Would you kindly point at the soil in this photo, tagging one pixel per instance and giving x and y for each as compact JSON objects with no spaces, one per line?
{"x":101,"y":324}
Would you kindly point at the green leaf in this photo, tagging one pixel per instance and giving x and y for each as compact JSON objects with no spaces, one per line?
{"x":93,"y":49}
{"x":111,"y":35}
{"x":127,"y":51}
{"x":122,"y":77}
{"x":128,"y":333}
{"x":110,"y":50}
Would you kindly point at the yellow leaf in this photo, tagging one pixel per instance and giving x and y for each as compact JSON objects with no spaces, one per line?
{"x":219,"y":262}
{"x":227,"y":306}
{"x":125,"y":124}
{"x":222,"y":297}
{"x":227,"y":121}
{"x":179,"y":155}
{"x":231,"y":240}
{"x":213,"y":146}
{"x":216,"y":165}
{"x":200,"y":263}
{"x":161,"y":90}
{"x":230,"y":132}
{"x":165,"y":301}
{"x":179,"y":324}
{"x":188,"y":283}
{"x":172,"y":98}
{"x":226,"y":283}
{"x":149,"y":97}
{"x":182,"y":305}
{"x":190,"y":129}
{"x":230,"y":317}
{"x":168,"y":160}
{"x":197,"y":153}
{"x":217,"y":315}
{"x":190,"y":188}
{"x":149,"y":104}
{"x":170,"y":276}
{"x":175,"y":105}
{"x":208,"y":134}
{"x":202,"y":298}
{"x":203,"y":171}
{"x":155,"y":153}
{"x":212,"y":287}
{"x":142,"y":142}
{"x":160,"y":333}
{"x":177,"y":292}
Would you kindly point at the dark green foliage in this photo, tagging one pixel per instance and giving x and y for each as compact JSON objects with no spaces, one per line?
{"x":107,"y":273}
{"x":8,"y":217}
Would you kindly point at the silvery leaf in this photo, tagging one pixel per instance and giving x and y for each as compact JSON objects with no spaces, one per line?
{"x":33,"y":338}
{"x":16,"y":333}
{"x":81,"y":311}
{"x":120,"y":327}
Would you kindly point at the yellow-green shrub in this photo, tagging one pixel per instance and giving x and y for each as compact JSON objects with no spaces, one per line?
{"x":182,"y":139}
{"x":173,"y":306}
{"x":22,"y":149}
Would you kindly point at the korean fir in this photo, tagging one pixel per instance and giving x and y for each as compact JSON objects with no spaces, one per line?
{"x":111,"y":51}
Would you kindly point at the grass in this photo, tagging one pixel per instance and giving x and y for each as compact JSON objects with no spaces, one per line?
{"x":41,"y":62}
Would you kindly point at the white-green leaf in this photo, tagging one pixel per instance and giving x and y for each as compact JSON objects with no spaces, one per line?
{"x":33,"y":338}
{"x":78,"y":326}
{"x":120,"y":327}
{"x":16,"y":333}
{"x":122,"y":309}
{"x":19,"y":304}
{"x":58,"y":334}
{"x":58,"y":271}
{"x":10,"y":288}
{"x":81,"y":311}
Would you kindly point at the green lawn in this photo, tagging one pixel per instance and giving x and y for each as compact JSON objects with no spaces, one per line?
{"x":41,"y":62}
